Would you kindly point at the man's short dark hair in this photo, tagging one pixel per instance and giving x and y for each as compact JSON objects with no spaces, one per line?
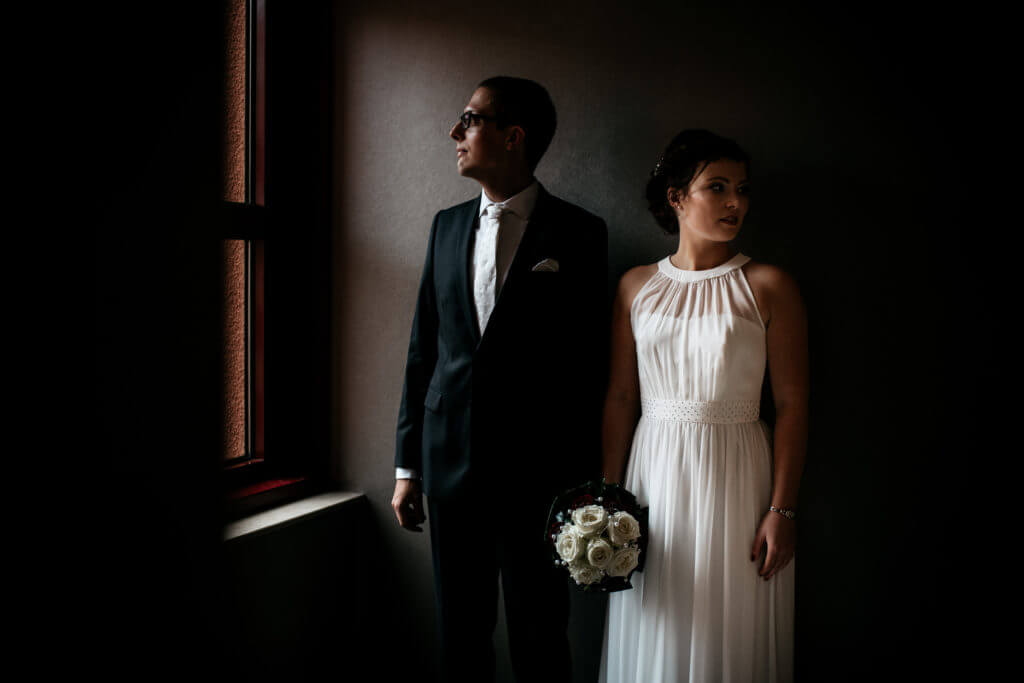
{"x":522,"y":102}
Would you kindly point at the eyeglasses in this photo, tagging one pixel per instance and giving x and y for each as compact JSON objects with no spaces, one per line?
{"x":472,"y":118}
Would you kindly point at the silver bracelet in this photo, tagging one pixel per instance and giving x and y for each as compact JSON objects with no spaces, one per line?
{"x":788,"y":513}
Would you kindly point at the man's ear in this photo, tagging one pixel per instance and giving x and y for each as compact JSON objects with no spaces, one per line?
{"x":515,"y":137}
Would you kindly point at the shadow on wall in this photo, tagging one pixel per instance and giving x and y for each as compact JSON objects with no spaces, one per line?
{"x":854,"y":244}
{"x":299,"y":597}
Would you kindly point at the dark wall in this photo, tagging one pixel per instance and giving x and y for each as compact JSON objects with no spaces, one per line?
{"x":298,"y":596}
{"x":146,"y":543}
{"x":298,"y":201}
{"x":841,"y":111}
{"x":159,"y":594}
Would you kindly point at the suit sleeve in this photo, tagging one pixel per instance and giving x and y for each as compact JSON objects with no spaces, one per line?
{"x":419,"y":368}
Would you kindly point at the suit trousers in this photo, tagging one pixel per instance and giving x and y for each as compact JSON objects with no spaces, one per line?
{"x":473,"y":543}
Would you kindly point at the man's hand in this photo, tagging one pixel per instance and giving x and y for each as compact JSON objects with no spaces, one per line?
{"x":408,"y":504}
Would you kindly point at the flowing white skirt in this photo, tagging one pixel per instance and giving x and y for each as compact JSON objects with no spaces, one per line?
{"x":699,"y":611}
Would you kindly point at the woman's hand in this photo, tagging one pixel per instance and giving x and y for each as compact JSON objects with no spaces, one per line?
{"x":779,"y":535}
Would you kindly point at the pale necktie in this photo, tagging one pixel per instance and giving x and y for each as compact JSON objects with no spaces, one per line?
{"x":485,"y":278}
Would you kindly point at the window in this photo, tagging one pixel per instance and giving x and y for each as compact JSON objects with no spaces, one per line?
{"x":277,"y":268}
{"x":243,"y":250}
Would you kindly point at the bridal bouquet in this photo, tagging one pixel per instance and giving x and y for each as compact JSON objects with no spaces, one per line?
{"x":598,"y":532}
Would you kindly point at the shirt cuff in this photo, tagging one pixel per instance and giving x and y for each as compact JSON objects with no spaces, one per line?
{"x":406,"y":473}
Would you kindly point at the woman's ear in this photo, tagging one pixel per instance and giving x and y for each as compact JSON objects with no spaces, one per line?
{"x":675,"y":197}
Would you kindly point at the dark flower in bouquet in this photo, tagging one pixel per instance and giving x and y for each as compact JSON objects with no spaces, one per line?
{"x":598,"y":532}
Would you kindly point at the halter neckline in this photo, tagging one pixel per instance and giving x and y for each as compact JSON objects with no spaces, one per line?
{"x":666,"y":267}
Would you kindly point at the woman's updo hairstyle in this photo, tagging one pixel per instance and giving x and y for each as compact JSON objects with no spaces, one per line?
{"x":685,"y":157}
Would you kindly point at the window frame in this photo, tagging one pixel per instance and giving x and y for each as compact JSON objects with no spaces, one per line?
{"x":256,"y":480}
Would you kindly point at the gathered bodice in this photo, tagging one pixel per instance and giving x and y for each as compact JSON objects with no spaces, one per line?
{"x":699,"y":335}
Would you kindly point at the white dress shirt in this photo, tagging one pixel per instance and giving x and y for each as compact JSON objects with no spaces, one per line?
{"x":518,"y":209}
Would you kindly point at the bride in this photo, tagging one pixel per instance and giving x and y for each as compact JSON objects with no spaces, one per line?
{"x":691,"y":337}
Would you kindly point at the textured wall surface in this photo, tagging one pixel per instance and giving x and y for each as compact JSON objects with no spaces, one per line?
{"x":830,"y":110}
{"x":234,"y":348}
{"x":234,"y":250}
{"x":234,"y":101}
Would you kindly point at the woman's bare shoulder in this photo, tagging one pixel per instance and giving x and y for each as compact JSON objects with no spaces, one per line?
{"x":769,"y":279}
{"x":773,"y":288}
{"x":633,"y":280}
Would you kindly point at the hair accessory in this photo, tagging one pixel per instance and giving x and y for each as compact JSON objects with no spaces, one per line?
{"x":658,"y":167}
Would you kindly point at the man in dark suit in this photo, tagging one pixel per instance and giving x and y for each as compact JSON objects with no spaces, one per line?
{"x":503,"y":388}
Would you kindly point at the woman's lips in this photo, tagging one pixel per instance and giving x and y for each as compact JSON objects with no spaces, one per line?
{"x":731,"y":220}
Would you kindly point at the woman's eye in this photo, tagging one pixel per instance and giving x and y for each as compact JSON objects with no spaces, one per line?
{"x":745,"y":189}
{"x":717,"y":187}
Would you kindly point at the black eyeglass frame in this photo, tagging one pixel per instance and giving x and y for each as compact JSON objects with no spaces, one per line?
{"x":467,"y":117}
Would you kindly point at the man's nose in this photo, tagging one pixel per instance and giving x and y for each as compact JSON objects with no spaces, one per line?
{"x":456,"y":132}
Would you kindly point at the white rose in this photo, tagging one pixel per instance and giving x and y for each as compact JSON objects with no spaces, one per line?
{"x":599,"y":553}
{"x":623,"y":527}
{"x":582,"y":573}
{"x":624,"y":561}
{"x":570,"y":543}
{"x":591,"y":519}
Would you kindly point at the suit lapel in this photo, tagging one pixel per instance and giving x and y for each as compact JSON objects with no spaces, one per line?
{"x":530,"y":246}
{"x":463,"y":254}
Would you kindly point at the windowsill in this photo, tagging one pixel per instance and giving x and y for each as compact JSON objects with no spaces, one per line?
{"x":285,"y":515}
{"x":264,"y":486}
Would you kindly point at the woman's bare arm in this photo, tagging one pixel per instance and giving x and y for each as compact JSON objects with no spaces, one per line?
{"x":622,"y":401}
{"x":786,"y":337}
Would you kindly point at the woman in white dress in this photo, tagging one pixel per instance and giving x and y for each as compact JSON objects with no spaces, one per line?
{"x":691,"y":338}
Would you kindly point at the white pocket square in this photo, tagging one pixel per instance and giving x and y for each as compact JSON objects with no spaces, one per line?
{"x":548,"y":265}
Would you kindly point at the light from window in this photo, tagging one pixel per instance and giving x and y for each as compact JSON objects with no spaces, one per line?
{"x":235,"y":348}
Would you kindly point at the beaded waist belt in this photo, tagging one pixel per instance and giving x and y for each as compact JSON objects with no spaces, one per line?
{"x":711,"y":412}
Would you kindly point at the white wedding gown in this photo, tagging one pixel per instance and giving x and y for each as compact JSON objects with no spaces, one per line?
{"x":701,"y":460}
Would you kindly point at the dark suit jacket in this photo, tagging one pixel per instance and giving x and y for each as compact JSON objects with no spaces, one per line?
{"x":518,"y":408}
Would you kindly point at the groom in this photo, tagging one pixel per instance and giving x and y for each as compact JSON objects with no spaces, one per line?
{"x":504,"y":384}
